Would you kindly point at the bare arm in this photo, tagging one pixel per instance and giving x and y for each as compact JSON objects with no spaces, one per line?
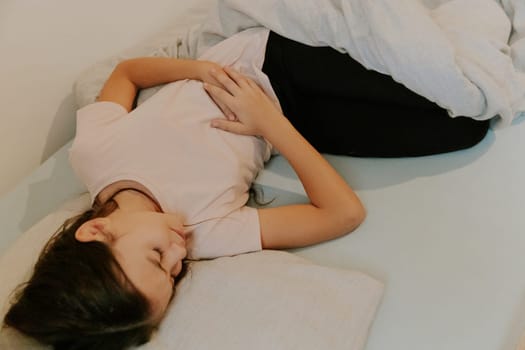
{"x":334,"y":208}
{"x":139,"y":73}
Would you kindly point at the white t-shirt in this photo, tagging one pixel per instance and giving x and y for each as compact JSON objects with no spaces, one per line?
{"x":168,"y":145}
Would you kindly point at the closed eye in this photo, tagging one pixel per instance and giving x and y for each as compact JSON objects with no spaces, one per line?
{"x":155,"y":261}
{"x":158,"y":251}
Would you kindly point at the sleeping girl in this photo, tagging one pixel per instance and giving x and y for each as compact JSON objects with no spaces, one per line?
{"x":169,"y":180}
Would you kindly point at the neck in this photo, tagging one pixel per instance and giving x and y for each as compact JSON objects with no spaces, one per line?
{"x":125,"y":186}
{"x":128,"y":198}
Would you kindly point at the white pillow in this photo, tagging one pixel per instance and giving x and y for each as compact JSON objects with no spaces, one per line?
{"x":265,"y":300}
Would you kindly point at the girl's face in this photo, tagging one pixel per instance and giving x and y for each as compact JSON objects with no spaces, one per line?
{"x":150,"y":247}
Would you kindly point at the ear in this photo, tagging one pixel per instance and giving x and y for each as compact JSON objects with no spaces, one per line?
{"x":93,"y":230}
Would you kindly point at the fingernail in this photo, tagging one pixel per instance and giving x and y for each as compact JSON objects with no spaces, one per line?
{"x":214,"y":123}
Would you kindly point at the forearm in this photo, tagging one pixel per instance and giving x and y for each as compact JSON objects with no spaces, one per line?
{"x":146,"y":72}
{"x":139,"y":73}
{"x":324,"y":186}
{"x":334,"y":209}
{"x":257,"y":115}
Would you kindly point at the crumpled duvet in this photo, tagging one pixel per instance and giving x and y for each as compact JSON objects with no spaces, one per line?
{"x":468,"y":56}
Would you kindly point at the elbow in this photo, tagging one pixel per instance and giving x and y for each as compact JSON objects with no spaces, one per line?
{"x":120,"y":72}
{"x":361,"y":215}
{"x":122,"y":68}
{"x":125,"y":70}
{"x":352,"y":217}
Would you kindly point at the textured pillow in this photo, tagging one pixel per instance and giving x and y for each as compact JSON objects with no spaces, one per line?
{"x":264,"y":300}
{"x":270,"y":300}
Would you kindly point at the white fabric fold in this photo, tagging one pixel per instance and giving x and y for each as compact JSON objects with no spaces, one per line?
{"x":468,"y":56}
{"x":456,"y":53}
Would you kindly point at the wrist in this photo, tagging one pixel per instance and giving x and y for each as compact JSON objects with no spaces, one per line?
{"x":201,"y":70}
{"x":276,"y":125}
{"x":195,"y":69}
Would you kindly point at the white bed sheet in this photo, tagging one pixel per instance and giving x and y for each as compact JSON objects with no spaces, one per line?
{"x":445,"y":233}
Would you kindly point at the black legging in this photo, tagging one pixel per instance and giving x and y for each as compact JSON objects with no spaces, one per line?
{"x":343,"y":108}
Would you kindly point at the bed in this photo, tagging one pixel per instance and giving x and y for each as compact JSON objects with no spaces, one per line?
{"x":444,"y":234}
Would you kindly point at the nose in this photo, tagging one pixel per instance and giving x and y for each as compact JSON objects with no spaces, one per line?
{"x":182,"y":252}
{"x":176,"y":252}
{"x":172,"y":261}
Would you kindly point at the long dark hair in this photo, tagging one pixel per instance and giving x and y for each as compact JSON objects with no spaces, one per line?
{"x":79,"y":297}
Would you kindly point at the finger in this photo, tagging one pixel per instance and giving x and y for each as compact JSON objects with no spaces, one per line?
{"x":214,"y":81}
{"x":225,"y":110}
{"x":225,"y":80}
{"x":212,"y":92}
{"x":237,"y":77}
{"x":255,"y":85}
{"x":218,"y":94}
{"x":230,"y":126}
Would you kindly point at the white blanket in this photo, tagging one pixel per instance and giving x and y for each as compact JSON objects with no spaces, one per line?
{"x":457,"y":53}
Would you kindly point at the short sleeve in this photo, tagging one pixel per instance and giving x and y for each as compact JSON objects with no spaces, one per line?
{"x":99,"y":114}
{"x":93,"y":133}
{"x":237,"y":233}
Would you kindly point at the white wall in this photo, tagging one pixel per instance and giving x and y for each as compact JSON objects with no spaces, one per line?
{"x":44,"y":45}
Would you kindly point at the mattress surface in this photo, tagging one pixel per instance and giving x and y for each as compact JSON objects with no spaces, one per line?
{"x":445,"y":233}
